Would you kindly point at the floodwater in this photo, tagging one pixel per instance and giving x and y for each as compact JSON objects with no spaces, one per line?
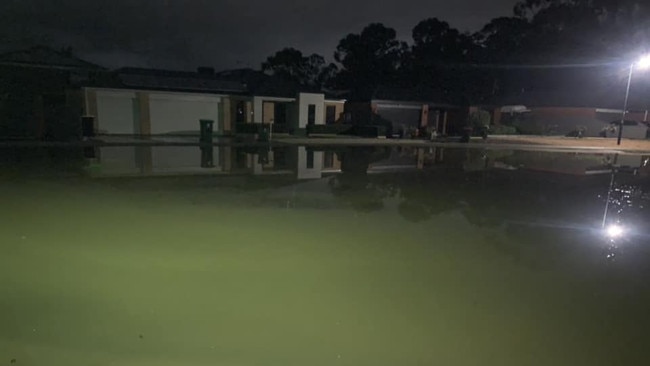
{"x":322,"y":256}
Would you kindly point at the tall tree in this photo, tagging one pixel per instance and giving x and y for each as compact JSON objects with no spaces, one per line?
{"x":572,"y":34}
{"x":502,"y":40}
{"x":291,"y":64}
{"x":369,"y":59}
{"x":591,"y":29}
{"x":436,"y":40}
{"x":437,"y":55}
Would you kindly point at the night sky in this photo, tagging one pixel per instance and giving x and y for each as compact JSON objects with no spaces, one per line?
{"x":183,"y":34}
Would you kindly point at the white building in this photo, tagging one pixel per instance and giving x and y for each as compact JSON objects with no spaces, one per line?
{"x":151,"y":102}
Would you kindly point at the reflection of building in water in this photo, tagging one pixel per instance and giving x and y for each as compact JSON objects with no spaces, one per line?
{"x":305,"y":163}
{"x":404,"y":159}
{"x":570,"y":163}
{"x":157,"y":160}
{"x":314,"y":162}
{"x":301,"y":161}
{"x":124,"y":161}
{"x":379,"y":159}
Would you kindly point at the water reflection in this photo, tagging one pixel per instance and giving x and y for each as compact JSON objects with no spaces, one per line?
{"x":313,"y":162}
{"x":491,"y":189}
{"x":180,"y":250}
{"x":533,"y":199}
{"x":624,"y":217}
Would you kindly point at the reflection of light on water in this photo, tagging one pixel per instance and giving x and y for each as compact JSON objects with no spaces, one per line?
{"x":614,"y":231}
{"x":615,"y":234}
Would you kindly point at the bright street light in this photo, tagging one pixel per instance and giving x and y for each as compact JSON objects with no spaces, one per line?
{"x":642,"y":63}
{"x":614,"y":231}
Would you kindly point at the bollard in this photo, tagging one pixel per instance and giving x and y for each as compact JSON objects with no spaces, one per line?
{"x":206,"y":131}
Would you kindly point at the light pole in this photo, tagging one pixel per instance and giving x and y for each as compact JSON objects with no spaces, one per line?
{"x":642,"y":63}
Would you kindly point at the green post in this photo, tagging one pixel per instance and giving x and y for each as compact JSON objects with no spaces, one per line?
{"x":264,"y":133}
{"x":206,"y":131}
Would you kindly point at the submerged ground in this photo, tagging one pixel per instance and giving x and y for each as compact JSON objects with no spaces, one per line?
{"x":446,"y":266}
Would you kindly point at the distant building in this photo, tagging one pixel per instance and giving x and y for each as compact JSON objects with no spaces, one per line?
{"x":290,"y":107}
{"x":563,"y":113}
{"x":36,"y":98}
{"x":161,"y":102}
{"x":45,"y":92}
{"x":400,"y":110}
{"x":136,"y":101}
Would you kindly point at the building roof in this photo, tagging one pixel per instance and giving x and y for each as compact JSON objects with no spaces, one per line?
{"x":176,"y":80}
{"x":408,"y":95}
{"x":338,"y":95}
{"x":237,"y":81}
{"x":423,"y":95}
{"x":46,"y":57}
{"x":259,"y":83}
{"x":141,"y":78}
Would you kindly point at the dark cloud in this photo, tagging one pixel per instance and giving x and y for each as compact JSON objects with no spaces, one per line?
{"x":222,"y":33}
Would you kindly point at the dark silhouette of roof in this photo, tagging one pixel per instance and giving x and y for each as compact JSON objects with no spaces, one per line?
{"x":176,"y":80}
{"x":237,"y":81}
{"x":424,"y":95}
{"x":408,"y":95}
{"x":46,"y":57}
{"x":244,"y":75}
{"x":259,"y":83}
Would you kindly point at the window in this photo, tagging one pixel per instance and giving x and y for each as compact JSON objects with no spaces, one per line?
{"x":311,"y":114}
{"x":310,"y":159}
{"x":330,"y":114}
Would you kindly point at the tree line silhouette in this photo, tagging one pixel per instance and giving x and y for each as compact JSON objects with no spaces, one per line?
{"x":541,"y":45}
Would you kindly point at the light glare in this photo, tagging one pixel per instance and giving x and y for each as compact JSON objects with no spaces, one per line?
{"x":644,"y":62}
{"x":614,"y":231}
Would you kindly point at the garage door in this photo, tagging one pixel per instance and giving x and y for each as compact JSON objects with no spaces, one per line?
{"x":178,"y":113}
{"x":115,"y":112}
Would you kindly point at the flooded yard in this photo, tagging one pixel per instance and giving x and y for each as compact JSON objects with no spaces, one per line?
{"x":330,"y":256}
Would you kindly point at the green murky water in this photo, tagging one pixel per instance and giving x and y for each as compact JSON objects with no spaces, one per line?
{"x":346,"y":257}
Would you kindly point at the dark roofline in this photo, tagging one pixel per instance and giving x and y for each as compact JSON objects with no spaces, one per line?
{"x":180,"y":81}
{"x":252,"y":82}
{"x":170,"y":90}
{"x":404,"y":95}
{"x":88,"y":65}
{"x":46,"y":66}
{"x":416,"y":102}
{"x":163,"y":72}
{"x":228,"y":72}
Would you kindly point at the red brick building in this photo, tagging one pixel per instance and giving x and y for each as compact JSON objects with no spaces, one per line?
{"x":563,"y":113}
